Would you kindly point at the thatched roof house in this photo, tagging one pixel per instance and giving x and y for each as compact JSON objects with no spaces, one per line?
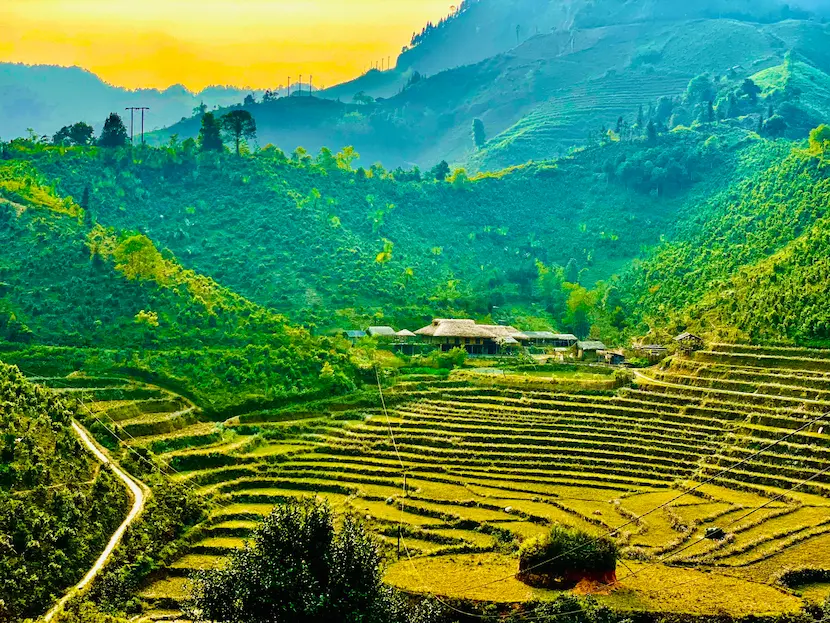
{"x":381,"y":331}
{"x":477,"y":339}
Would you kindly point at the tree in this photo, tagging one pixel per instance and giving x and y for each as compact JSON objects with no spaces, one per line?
{"x":239,"y":126}
{"x":751,"y":90}
{"x":572,"y":271}
{"x":565,"y":556}
{"x":210,"y":134}
{"x":820,"y":140}
{"x":775,"y":126}
{"x":700,"y":89}
{"x":651,"y":133}
{"x":710,"y":111}
{"x":479,"y":136}
{"x":441,"y":171}
{"x":250,"y":100}
{"x":299,"y":569}
{"x":200,"y":110}
{"x":114,"y":133}
{"x":80,"y":134}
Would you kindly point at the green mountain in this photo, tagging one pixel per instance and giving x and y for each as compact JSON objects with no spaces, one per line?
{"x":334,"y":247}
{"x":585,"y":67}
{"x":70,"y":504}
{"x":748,"y":263}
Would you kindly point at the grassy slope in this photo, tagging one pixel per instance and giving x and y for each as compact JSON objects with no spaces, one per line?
{"x":71,"y":507}
{"x":306,"y":239}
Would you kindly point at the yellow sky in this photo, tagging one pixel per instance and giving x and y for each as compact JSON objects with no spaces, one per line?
{"x":257,"y":43}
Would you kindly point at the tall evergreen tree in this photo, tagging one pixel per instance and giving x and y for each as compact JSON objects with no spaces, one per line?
{"x":479,"y":135}
{"x":239,"y":126}
{"x":210,"y":134}
{"x":651,"y":132}
{"x":114,"y":133}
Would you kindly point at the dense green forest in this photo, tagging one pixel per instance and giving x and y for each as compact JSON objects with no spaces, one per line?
{"x":333,"y":246}
{"x":70,"y":503}
{"x":751,"y":260}
{"x":69,"y":284}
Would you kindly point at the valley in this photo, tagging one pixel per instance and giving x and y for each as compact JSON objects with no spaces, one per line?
{"x":530,"y":325}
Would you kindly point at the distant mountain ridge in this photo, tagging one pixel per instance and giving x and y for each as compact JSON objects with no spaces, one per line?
{"x":47,"y":97}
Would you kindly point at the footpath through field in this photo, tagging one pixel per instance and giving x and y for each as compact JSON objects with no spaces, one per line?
{"x":138,"y":492}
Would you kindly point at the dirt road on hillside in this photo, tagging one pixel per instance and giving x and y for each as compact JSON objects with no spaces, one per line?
{"x":139,"y":494}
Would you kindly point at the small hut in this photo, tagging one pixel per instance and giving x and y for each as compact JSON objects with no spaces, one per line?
{"x":354,"y":336}
{"x":386,"y":334}
{"x":689,"y":343}
{"x":589,"y":350}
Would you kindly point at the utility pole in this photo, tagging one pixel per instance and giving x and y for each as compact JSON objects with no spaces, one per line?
{"x":142,"y":109}
{"x":132,"y":119}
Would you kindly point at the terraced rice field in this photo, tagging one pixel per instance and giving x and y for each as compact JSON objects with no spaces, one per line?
{"x":487,"y":467}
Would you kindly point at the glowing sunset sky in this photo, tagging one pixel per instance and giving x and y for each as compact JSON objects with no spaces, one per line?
{"x":257,"y":43}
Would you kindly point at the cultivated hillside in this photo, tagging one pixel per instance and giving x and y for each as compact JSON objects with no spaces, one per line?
{"x":71,"y":504}
{"x":46,"y":98}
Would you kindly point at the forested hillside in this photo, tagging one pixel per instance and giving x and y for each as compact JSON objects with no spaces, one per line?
{"x":71,"y":505}
{"x":751,"y":261}
{"x":335,"y":247}
{"x":68,"y":282}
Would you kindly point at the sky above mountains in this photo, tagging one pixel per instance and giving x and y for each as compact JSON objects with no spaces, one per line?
{"x":197,"y":43}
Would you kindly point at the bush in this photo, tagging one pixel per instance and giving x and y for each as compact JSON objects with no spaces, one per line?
{"x":566,"y":556}
{"x":299,"y":569}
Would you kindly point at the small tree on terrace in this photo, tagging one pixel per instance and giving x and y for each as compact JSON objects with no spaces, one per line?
{"x":210,"y":134}
{"x":114,"y":133}
{"x":820,"y":140}
{"x":239,"y":126}
{"x":566,"y":556}
{"x":299,"y":569}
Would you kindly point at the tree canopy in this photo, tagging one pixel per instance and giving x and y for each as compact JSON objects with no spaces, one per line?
{"x":114,"y":133}
{"x":239,"y":126}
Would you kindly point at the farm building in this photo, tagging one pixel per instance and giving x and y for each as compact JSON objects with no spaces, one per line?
{"x":385,"y":333}
{"x":547,"y":339}
{"x":689,"y":342}
{"x":477,"y":339}
{"x":653,"y":352}
{"x":614,"y":357}
{"x":590,"y":350}
{"x":353,"y":335}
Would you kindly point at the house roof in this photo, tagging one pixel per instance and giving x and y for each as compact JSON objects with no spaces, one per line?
{"x":687,"y":336}
{"x":653,"y":347}
{"x":549,"y":335}
{"x":591,"y":345}
{"x":355,"y":334}
{"x":451,"y":327}
{"x":381,"y":331}
{"x":405,"y":333}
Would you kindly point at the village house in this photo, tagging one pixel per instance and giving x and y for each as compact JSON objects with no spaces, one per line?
{"x":689,"y":342}
{"x":384,"y":333}
{"x":476,"y":339}
{"x":590,"y":350}
{"x":548,"y":339}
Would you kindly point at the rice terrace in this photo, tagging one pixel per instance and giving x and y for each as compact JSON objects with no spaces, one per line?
{"x":529,"y":322}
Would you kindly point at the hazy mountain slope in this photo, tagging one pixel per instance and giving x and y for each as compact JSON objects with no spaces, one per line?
{"x":45,"y":98}
{"x":551,"y":92}
{"x":70,"y":505}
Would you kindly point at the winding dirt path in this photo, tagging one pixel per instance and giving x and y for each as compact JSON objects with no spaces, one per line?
{"x":139,"y":494}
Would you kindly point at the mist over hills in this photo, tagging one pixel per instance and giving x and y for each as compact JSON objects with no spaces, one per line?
{"x":543,"y":77}
{"x":45,"y":98}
